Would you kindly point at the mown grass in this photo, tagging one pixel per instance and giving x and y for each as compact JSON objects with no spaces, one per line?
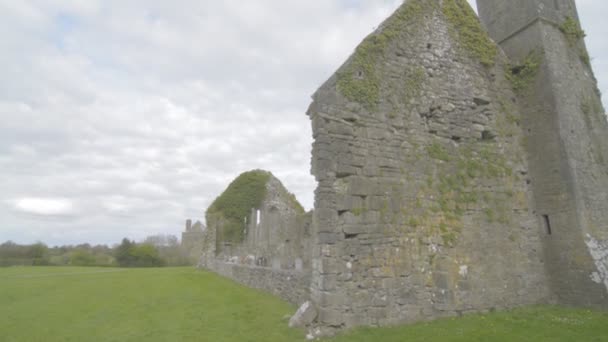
{"x":164,"y":304}
{"x":521,"y":325}
{"x":182,"y":304}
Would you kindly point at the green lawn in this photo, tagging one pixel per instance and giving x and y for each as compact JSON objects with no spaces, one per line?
{"x":182,"y":304}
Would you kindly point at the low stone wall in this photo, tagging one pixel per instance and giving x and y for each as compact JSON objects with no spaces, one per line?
{"x":290,"y":285}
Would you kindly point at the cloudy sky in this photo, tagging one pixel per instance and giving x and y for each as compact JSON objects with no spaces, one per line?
{"x":124,"y":118}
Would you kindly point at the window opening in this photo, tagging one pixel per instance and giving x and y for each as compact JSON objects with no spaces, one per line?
{"x":547,"y":224}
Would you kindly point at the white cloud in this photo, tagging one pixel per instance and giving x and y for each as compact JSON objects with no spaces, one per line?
{"x":44,"y":206}
{"x":145,"y":189}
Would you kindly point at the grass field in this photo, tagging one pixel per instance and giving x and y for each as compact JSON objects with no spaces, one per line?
{"x":182,"y":304}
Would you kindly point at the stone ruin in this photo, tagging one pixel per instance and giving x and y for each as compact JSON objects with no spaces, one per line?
{"x":260,"y":235}
{"x":192,"y":241}
{"x":460,"y":169}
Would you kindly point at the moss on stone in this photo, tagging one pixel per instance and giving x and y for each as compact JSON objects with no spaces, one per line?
{"x":413,"y":84}
{"x":590,"y":105}
{"x":584,"y":55}
{"x":294,"y":202}
{"x":359,"y":80}
{"x":573,"y":32}
{"x":523,"y":75}
{"x":436,"y":151}
{"x":456,"y":187}
{"x":571,"y":28}
{"x":449,"y":238}
{"x":511,"y":115}
{"x":246,"y":192}
{"x":489,"y":212}
{"x":360,"y":83}
{"x":468,"y":30}
{"x":358,"y":211}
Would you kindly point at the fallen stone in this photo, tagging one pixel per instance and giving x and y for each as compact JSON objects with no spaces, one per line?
{"x":305,"y":315}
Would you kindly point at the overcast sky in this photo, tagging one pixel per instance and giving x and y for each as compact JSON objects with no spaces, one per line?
{"x":124,"y":118}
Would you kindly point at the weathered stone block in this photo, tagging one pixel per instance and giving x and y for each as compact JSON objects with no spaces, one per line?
{"x":305,"y":315}
{"x":330,"y":317}
{"x":360,"y":186}
{"x":328,"y":238}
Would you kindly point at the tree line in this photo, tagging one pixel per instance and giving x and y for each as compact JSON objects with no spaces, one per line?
{"x":154,"y":251}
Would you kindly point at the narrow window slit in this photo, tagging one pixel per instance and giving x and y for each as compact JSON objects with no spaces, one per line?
{"x":547,"y":224}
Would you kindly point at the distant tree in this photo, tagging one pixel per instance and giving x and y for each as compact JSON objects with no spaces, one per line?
{"x":39,"y":254}
{"x":123,"y":253}
{"x":81,"y":257}
{"x":146,"y":255}
{"x":159,"y":240}
{"x":13,"y":254}
{"x":169,"y":249}
{"x":84,"y":246}
{"x":130,"y":254}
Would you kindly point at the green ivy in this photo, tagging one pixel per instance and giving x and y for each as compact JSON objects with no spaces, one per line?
{"x":247,"y":191}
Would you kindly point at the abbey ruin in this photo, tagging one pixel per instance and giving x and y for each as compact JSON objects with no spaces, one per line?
{"x":461,"y":167}
{"x":192,"y":241}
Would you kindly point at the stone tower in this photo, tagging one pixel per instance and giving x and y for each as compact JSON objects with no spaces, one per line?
{"x":566,"y":140}
{"x":192,"y":240}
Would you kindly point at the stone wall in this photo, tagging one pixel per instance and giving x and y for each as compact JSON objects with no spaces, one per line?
{"x":423,"y":207}
{"x":290,"y":285}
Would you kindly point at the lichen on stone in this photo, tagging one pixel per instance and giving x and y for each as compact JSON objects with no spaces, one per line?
{"x":468,"y":30}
